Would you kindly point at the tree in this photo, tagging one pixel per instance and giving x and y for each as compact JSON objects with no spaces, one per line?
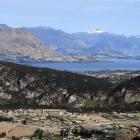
{"x":24,"y":122}
{"x":39,"y":133}
{"x":2,"y":135}
{"x":14,"y":138}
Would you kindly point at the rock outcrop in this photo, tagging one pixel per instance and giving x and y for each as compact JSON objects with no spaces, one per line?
{"x":127,"y":94}
{"x":23,"y":86}
{"x":28,"y":86}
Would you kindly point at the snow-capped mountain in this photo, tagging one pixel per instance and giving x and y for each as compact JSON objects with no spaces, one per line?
{"x":94,"y":44}
{"x":95,"y":31}
{"x":87,"y":46}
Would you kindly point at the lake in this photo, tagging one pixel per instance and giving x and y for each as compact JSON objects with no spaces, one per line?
{"x":116,"y":64}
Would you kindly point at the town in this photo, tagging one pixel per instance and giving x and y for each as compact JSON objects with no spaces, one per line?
{"x":61,"y":124}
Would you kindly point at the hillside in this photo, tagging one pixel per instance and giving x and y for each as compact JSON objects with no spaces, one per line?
{"x":92,"y":45}
{"x":127,"y":94}
{"x":16,"y":44}
{"x":23,"y":86}
{"x":48,"y":44}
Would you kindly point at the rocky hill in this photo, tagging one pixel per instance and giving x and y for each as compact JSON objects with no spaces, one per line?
{"x":28,"y":86}
{"x":16,"y":44}
{"x":127,"y":94}
{"x":23,"y":86}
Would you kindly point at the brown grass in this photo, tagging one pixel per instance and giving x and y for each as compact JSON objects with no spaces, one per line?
{"x":16,"y":130}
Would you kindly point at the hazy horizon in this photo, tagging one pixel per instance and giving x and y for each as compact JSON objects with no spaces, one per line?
{"x":120,"y":17}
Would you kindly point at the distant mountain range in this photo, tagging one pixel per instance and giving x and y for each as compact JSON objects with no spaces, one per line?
{"x":45,"y":43}
{"x":19,"y":45}
{"x":94,"y":44}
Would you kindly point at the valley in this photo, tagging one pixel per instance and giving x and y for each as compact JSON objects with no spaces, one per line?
{"x":69,"y":70}
{"x":50,"y":104}
{"x":70,"y":125}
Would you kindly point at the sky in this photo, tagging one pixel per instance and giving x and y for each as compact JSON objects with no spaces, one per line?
{"x":115,"y":16}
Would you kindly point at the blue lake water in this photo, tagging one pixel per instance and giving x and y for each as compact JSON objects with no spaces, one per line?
{"x":118,"y":64}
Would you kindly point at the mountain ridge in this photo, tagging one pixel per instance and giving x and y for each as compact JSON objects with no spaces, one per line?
{"x":109,"y":45}
{"x":76,"y":47}
{"x":30,"y":87}
{"x":17,"y":44}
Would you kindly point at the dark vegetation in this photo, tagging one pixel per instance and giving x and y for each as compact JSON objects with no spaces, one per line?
{"x":2,"y":135}
{"x":5,"y":118}
{"x":54,"y":80}
{"x":72,"y":81}
{"x":31,"y":87}
{"x":127,"y":95}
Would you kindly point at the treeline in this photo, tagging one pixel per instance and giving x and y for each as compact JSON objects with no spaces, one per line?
{"x":6,"y":119}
